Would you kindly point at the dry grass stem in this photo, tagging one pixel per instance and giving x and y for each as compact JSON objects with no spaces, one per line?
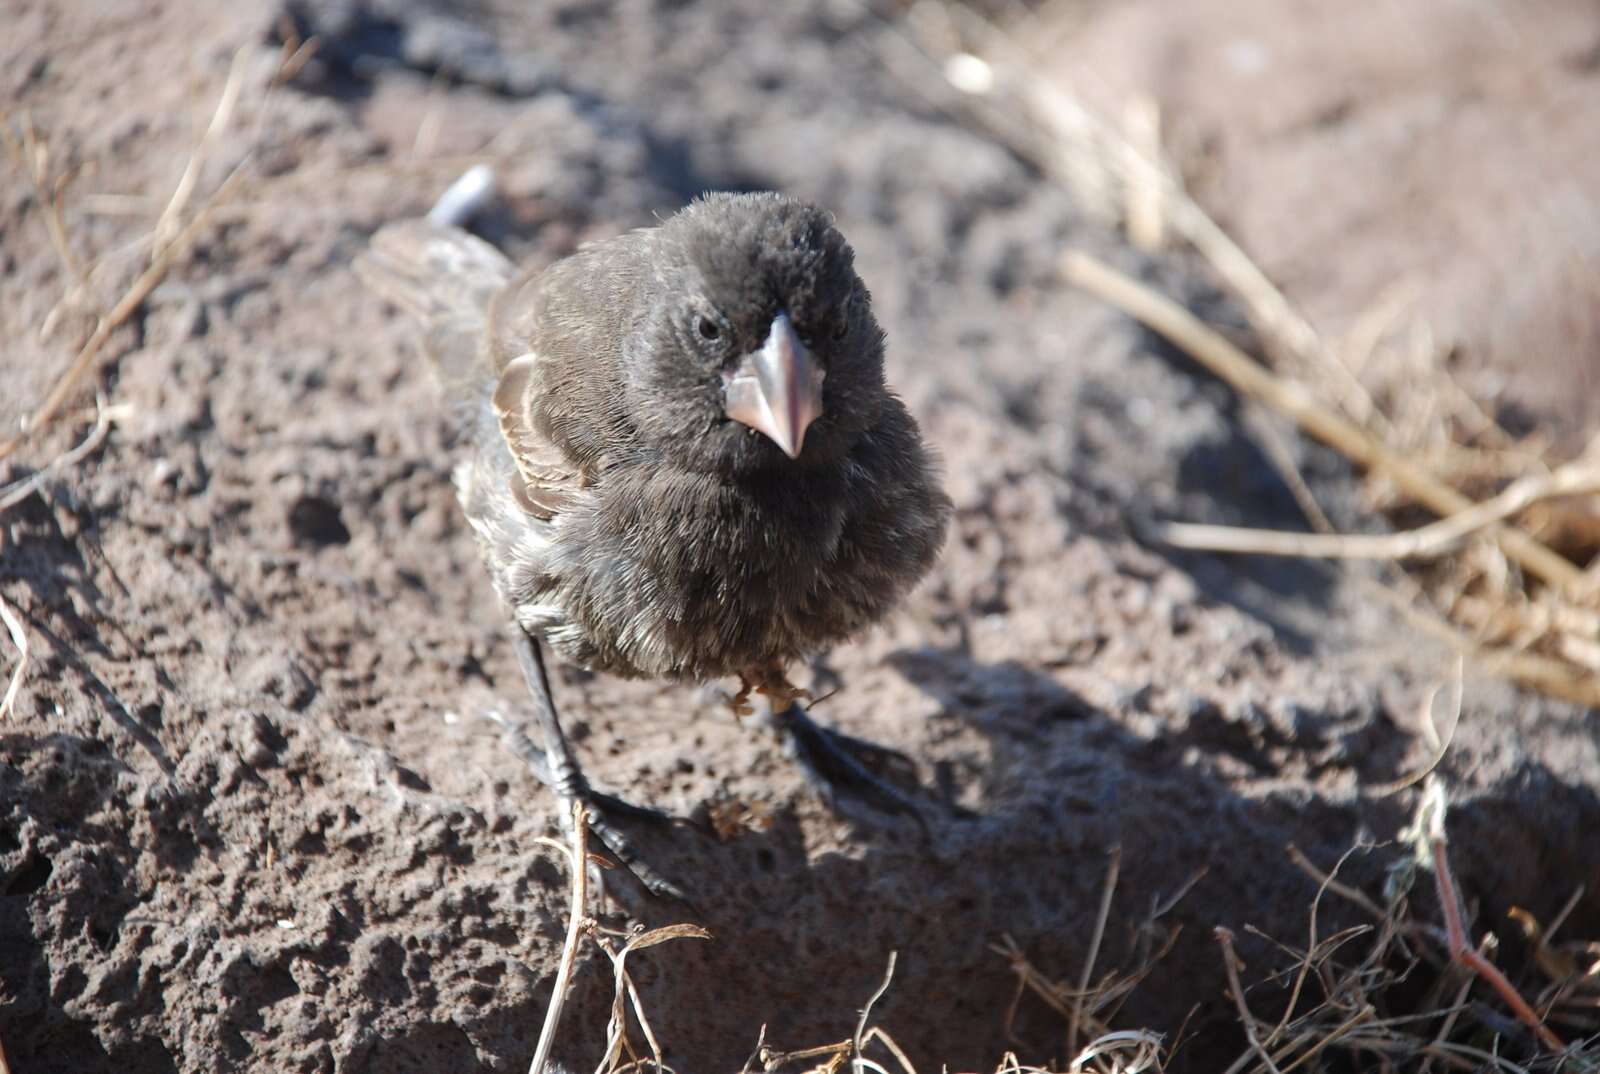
{"x":1385,"y":917}
{"x":1108,"y":891}
{"x":1309,"y":957}
{"x":1276,"y":448}
{"x":1231,"y":966}
{"x":169,"y":240}
{"x":1146,"y":200}
{"x":1506,"y":623}
{"x":1211,"y":349}
{"x":882,"y":1037}
{"x":34,"y":156}
{"x":1448,"y":1025}
{"x":1132,"y":1051}
{"x":1552,"y":675}
{"x":20,"y":490}
{"x":125,"y":308}
{"x":866,"y":1011}
{"x":1357,"y":982}
{"x":1091,"y":1006}
{"x":1438,"y":743}
{"x":1439,"y":447}
{"x":1332,"y":1037}
{"x":1565,"y":912}
{"x":578,"y":861}
{"x":1092,"y":157}
{"x":625,"y":992}
{"x":1427,"y":542}
{"x":833,"y":1055}
{"x":19,"y":638}
{"x":167,"y":227}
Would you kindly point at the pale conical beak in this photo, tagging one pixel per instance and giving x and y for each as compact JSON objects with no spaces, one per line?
{"x":777,"y":390}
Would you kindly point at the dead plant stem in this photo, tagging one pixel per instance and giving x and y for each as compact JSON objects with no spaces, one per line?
{"x":1250,"y":378}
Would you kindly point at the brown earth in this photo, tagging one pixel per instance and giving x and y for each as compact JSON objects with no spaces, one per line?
{"x":1436,"y":160}
{"x":251,"y":815}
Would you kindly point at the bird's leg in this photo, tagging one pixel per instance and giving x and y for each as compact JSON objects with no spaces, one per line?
{"x":557,"y":767}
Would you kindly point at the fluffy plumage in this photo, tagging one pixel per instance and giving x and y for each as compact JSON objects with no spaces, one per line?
{"x":625,"y":518}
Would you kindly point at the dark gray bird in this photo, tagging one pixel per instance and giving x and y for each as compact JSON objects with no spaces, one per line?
{"x":686,"y":464}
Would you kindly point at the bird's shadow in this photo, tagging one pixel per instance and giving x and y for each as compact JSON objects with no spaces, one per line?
{"x":1057,"y":783}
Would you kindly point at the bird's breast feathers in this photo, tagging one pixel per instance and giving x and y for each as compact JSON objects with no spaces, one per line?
{"x":651,"y":571}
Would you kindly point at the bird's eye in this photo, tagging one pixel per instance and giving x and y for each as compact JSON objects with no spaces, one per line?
{"x":709,"y":329}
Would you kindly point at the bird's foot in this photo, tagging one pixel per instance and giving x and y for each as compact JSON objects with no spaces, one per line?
{"x":837,"y":764}
{"x":771,"y":682}
{"x":603,"y":810}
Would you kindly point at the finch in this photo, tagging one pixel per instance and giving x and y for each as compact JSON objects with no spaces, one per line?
{"x":685,"y":463}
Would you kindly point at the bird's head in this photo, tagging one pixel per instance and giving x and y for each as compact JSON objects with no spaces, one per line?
{"x":760,"y":349}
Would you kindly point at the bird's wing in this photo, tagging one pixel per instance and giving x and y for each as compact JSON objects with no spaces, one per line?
{"x":549,"y":480}
{"x":446,"y":278}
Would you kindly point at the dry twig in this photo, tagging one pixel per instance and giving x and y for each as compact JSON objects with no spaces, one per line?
{"x":578,"y":860}
{"x":167,"y":227}
{"x":1427,"y":542}
{"x":169,"y":240}
{"x":866,"y":1012}
{"x":1231,"y":966}
{"x":1107,"y":891}
{"x":1205,"y":345}
{"x":19,"y":638}
{"x":21,"y":489}
{"x":130,"y":302}
{"x":1429,"y":836}
{"x":616,"y":1028}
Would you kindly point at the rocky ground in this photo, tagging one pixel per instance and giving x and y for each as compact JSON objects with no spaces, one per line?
{"x":252,"y":816}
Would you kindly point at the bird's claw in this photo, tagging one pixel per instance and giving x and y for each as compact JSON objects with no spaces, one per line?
{"x":770,"y":682}
{"x":602,"y":810}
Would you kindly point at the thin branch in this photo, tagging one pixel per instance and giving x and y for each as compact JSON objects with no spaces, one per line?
{"x":1467,"y":955}
{"x":1230,"y":964}
{"x":1250,"y":378}
{"x":1311,"y":949}
{"x":1450,"y":1018}
{"x":1326,"y":880}
{"x":617,"y":1026}
{"x":1332,"y":1036}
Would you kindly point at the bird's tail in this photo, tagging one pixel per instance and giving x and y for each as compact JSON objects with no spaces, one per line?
{"x":445,"y":278}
